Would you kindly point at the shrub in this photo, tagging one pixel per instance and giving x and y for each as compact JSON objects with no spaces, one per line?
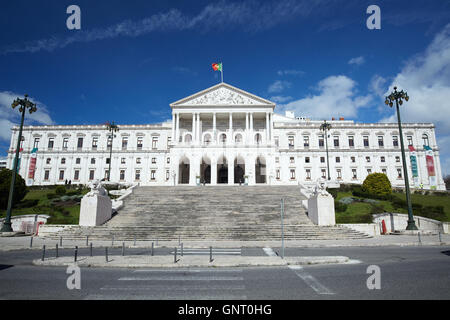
{"x":27,"y":203}
{"x":347,"y":200}
{"x":60,"y":190}
{"x":375,"y":209}
{"x":52,"y":196}
{"x":398,"y":203}
{"x":339,"y":207}
{"x":377,"y":183}
{"x":20,"y":188}
{"x":333,"y":192}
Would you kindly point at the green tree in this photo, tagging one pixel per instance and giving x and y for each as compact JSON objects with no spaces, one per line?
{"x":20,"y":188}
{"x":377,"y":183}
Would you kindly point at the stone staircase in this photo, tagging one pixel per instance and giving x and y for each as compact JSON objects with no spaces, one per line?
{"x":211,"y":213}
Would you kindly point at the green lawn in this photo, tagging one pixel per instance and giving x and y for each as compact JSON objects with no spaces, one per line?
{"x":357,"y":211}
{"x":65,"y":213}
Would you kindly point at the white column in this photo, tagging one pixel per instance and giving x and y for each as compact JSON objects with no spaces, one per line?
{"x":177,"y":130}
{"x":230,"y":139}
{"x":267,"y":128}
{"x":214,"y":137}
{"x":271,"y":127}
{"x":251,"y":129}
{"x":199,"y":135}
{"x":194,"y":133}
{"x":173,"y":128}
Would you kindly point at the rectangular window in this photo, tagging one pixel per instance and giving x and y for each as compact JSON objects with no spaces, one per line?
{"x":77,"y":160}
{"x":36,"y":143}
{"x":410,"y":140}
{"x":51,"y":143}
{"x":106,"y":174}
{"x":426,"y":142}
{"x":137,"y":175}
{"x":307,"y":160}
{"x":138,"y":160}
{"x":384,"y":171}
{"x":154,"y":143}
{"x":305,"y":141}
{"x":399,"y":173}
{"x":351,"y":141}
{"x":168,"y":160}
{"x":395,"y":141}
{"x":122,"y":175}
{"x":338,"y":159}
{"x":48,"y":160}
{"x":153,"y":175}
{"x":291,"y":142}
{"x":308,"y":174}
{"x":108,"y":145}
{"x":139,"y":143}
{"x":169,"y":140}
{"x":277,"y":160}
{"x":366,"y":141}
{"x":76,"y":175}
{"x":292,"y":160}
{"x":167,"y":175}
{"x":153,"y":160}
{"x":122,"y":160}
{"x":353,"y":159}
{"x":80,"y":143}
{"x":397,"y":159}
{"x":61,"y":175}
{"x":367,"y":159}
{"x":324,"y":173}
{"x":63,"y":160}
{"x":91,"y":174}
{"x":292,"y":174}
{"x":94,"y":143}
{"x":339,"y":174}
{"x":108,"y":160}
{"x":124,"y":143}
{"x":354,"y":175}
{"x":277,"y":141}
{"x":383,"y":159}
{"x":46,"y":175}
{"x":336,"y":141}
{"x":321,"y":142}
{"x":369,"y":171}
{"x":380,"y":141}
{"x":65,"y":143}
{"x":322,"y":159}
{"x":278,"y":174}
{"x":92,"y":160}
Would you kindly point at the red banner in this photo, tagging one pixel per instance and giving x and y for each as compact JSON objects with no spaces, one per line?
{"x":430,"y":166}
{"x":32,"y":168}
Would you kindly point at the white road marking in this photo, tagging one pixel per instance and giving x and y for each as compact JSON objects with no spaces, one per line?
{"x":270,"y":252}
{"x":183,"y":278}
{"x":310,"y":280}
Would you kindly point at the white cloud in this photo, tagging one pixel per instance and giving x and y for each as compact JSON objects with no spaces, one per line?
{"x":280,"y":99}
{"x":10,"y":117}
{"x":337,"y":96}
{"x":426,"y":78}
{"x":250,"y":16}
{"x":357,"y":60}
{"x":279,"y":86}
{"x":290,"y":72}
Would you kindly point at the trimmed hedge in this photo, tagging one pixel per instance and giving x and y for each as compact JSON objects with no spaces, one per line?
{"x":339,"y":206}
{"x":60,"y":190}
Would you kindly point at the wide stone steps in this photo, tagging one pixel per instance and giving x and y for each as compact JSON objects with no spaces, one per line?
{"x":210,"y":213}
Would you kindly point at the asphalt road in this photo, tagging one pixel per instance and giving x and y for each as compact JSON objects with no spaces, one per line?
{"x":405,"y":273}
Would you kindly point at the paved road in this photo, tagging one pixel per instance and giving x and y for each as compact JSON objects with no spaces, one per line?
{"x":406,"y":273}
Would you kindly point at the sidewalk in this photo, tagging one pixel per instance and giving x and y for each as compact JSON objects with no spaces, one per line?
{"x":18,"y":243}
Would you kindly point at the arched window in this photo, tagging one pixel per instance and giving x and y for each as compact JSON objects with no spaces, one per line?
{"x":188,"y":138}
{"x":238,"y":138}
{"x":207,"y":139}
{"x":258,"y":138}
{"x":223,"y":138}
{"x":426,"y":142}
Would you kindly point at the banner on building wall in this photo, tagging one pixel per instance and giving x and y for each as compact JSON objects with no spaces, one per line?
{"x":32,"y":168}
{"x":414,"y":169}
{"x":430,"y":167}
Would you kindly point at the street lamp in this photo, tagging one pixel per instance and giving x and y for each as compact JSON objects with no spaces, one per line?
{"x":111,"y":128}
{"x":398,"y":98}
{"x":24,"y":105}
{"x":325,"y":126}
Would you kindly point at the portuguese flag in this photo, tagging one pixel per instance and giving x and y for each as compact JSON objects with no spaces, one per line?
{"x":217,"y":66}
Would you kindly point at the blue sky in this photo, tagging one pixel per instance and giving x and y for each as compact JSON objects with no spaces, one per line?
{"x":132,"y":58}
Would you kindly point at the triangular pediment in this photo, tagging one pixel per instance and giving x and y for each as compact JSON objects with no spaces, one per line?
{"x":222,"y":95}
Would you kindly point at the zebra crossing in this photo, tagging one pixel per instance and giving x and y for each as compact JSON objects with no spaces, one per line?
{"x":175,"y":284}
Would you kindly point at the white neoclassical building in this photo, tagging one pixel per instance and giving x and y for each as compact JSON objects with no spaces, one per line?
{"x":225,"y":135}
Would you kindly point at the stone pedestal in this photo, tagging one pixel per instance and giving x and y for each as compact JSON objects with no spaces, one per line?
{"x":321,"y":209}
{"x":95,"y":210}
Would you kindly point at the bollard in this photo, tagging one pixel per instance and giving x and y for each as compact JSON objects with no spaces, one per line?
{"x":90,"y":249}
{"x":135,"y":241}
{"x":106,"y":254}
{"x":181,"y":249}
{"x":57,"y":253}
{"x":60,"y":241}
{"x":43,"y":252}
{"x":123,"y":249}
{"x":440,"y":238}
{"x":420,"y":240}
{"x":210,"y":254}
{"x":31,"y":242}
{"x":152,"y":249}
{"x":175,"y":255}
{"x":76,"y":254}
{"x":87,"y":241}
{"x":112,"y":243}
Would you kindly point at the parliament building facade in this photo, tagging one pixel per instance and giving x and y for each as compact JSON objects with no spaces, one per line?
{"x":224,"y":135}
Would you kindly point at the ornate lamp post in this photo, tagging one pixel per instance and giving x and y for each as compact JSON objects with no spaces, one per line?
{"x":111,"y":128}
{"x":325,"y":126}
{"x":398,"y":98}
{"x":24,"y":105}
